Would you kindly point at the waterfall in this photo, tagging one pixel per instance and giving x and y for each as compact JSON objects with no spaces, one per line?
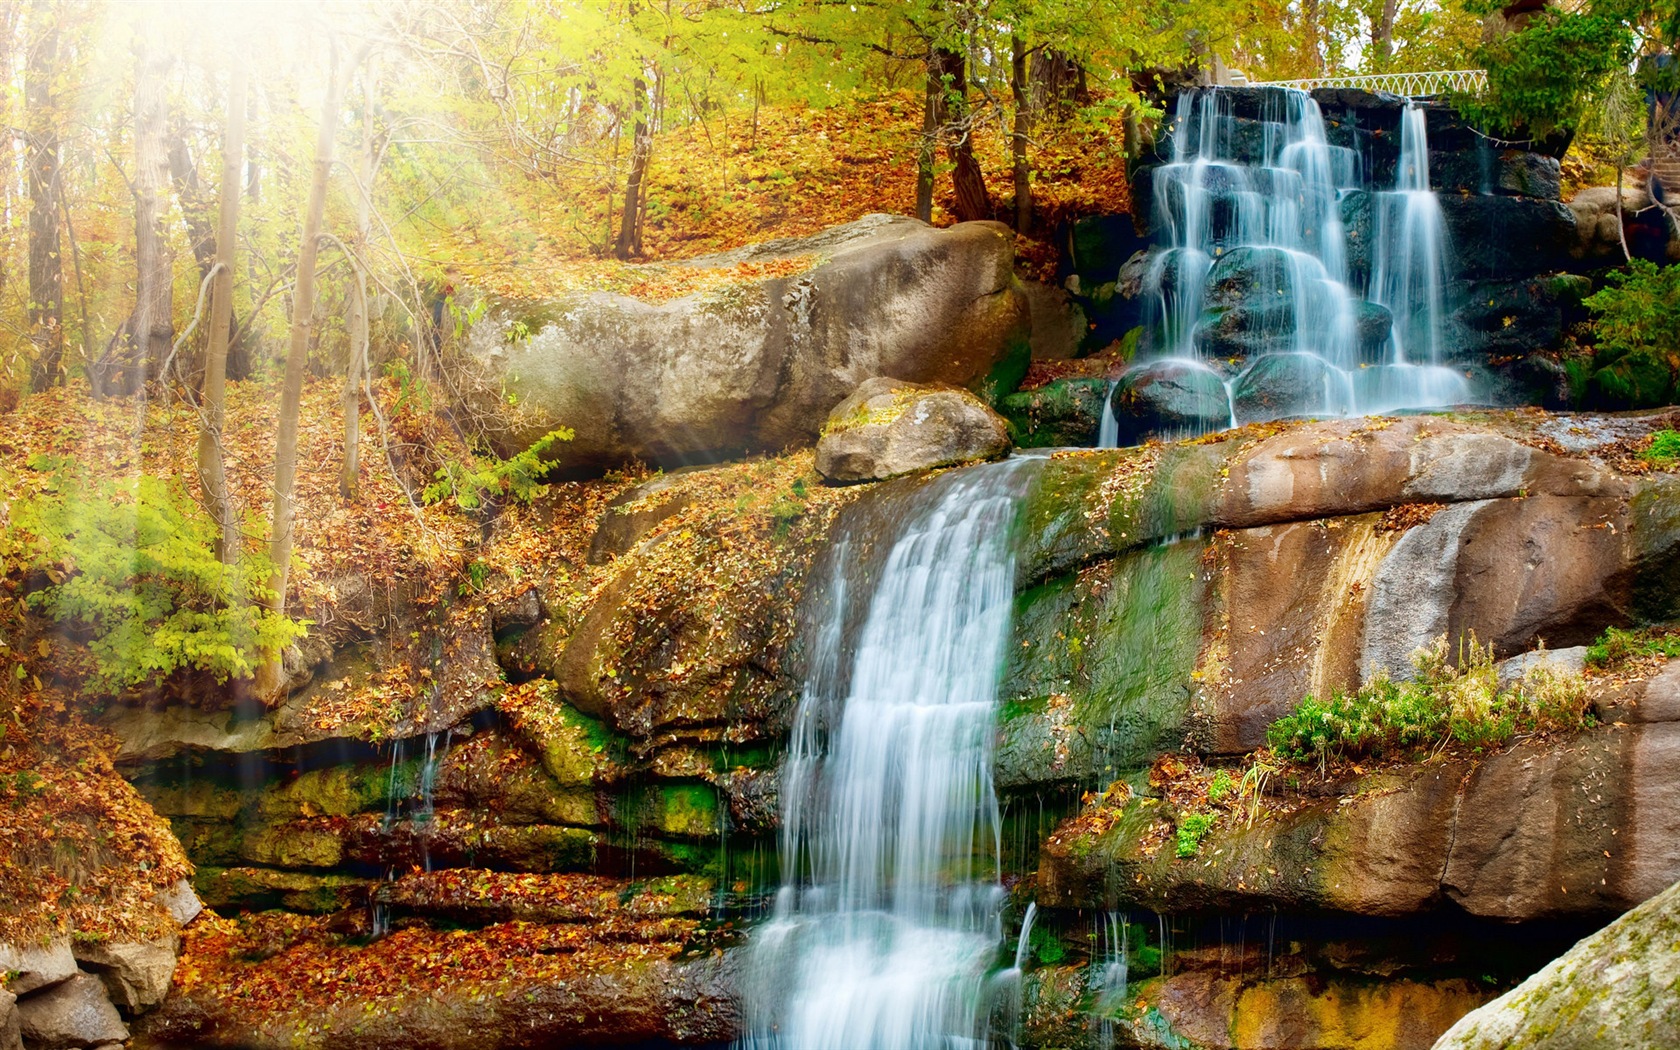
{"x":1256,"y":265}
{"x":889,"y":918}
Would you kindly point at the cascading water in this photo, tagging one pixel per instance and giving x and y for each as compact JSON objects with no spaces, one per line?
{"x":1257,"y":266}
{"x":888,"y":923}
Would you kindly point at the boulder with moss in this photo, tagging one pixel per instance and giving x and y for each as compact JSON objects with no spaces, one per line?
{"x":758,"y":365}
{"x":1618,"y":989}
{"x":888,"y":428}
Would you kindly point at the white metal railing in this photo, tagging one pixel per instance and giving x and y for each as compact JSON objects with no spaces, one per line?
{"x":1415,"y":85}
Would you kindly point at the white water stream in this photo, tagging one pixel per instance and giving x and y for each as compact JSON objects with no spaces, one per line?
{"x":1278,"y":200}
{"x":888,"y":923}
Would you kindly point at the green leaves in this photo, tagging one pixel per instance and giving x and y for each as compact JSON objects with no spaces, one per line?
{"x":1636,"y":318}
{"x":1541,"y":79}
{"x":490,"y":479}
{"x":134,"y":564}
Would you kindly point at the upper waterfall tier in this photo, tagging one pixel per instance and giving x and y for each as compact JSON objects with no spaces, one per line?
{"x":1263,"y":276}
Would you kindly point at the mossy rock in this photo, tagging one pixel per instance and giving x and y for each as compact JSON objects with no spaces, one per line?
{"x":1639,"y":379}
{"x":299,"y":845}
{"x":1061,"y":413}
{"x":244,"y":888}
{"x":675,"y":810}
{"x":338,"y":791}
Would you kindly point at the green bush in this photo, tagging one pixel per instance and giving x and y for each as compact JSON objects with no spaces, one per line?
{"x":1221,"y":786}
{"x":1665,"y":448}
{"x":489,"y":478}
{"x":1617,"y":646}
{"x":1462,"y":703}
{"x":1192,"y":828}
{"x":1541,"y":79}
{"x":1636,"y":318}
{"x":133,"y":564}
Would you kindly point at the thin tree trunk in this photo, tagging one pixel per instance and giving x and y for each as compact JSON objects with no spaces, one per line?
{"x":925,"y":154}
{"x":303,"y":314}
{"x":973,"y":200}
{"x":152,"y":329}
{"x":1023,"y":127}
{"x":1382,"y":34}
{"x":351,"y":398}
{"x":41,"y":156}
{"x":212,"y":471}
{"x":630,"y":229}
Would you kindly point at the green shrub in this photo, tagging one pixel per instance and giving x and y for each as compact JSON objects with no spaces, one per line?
{"x":1221,"y":786}
{"x":1541,"y":79}
{"x":1192,"y":828}
{"x":1636,"y":318}
{"x":489,"y":478}
{"x":1617,"y":646}
{"x":1443,"y":702}
{"x":133,"y":564}
{"x":1665,"y":448}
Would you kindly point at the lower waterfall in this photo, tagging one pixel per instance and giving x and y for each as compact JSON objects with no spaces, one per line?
{"x":888,"y":921}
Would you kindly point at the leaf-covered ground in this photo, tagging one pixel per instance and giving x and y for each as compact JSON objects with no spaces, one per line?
{"x":793,"y":172}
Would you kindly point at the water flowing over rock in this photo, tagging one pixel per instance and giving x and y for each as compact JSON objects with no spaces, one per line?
{"x":888,"y":922}
{"x":758,"y":366}
{"x":1257,"y":265}
{"x":1615,"y":990}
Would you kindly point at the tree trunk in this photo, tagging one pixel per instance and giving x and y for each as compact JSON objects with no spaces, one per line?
{"x":926,"y":151}
{"x":41,"y":157}
{"x":269,"y":681}
{"x":1018,"y":141}
{"x":357,"y":321}
{"x":973,"y":201}
{"x":1058,"y":84}
{"x":629,"y":242}
{"x":152,"y":327}
{"x":212,"y":470}
{"x":1382,"y":34}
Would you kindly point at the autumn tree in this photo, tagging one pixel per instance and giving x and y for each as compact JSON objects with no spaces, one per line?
{"x":42,"y":160}
{"x":297,"y":352}
{"x":211,"y":465}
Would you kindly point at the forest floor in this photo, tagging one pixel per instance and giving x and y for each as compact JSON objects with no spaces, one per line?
{"x":791,"y":172}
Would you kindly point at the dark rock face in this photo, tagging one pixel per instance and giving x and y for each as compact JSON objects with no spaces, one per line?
{"x":1506,"y":238}
{"x":1063,"y":412}
{"x":759,"y":366}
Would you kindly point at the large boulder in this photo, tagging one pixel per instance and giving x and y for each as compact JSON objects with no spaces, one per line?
{"x":35,"y":966}
{"x":11,"y":1031}
{"x":73,"y":1013}
{"x":1618,"y":989}
{"x":888,"y":428}
{"x":136,"y":973}
{"x":759,"y":365}
{"x":1169,"y":398}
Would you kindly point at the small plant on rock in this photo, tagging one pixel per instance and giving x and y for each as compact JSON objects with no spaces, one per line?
{"x":1664,"y":451}
{"x":1192,"y":829}
{"x":1446,"y":701}
{"x":1617,"y":646}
